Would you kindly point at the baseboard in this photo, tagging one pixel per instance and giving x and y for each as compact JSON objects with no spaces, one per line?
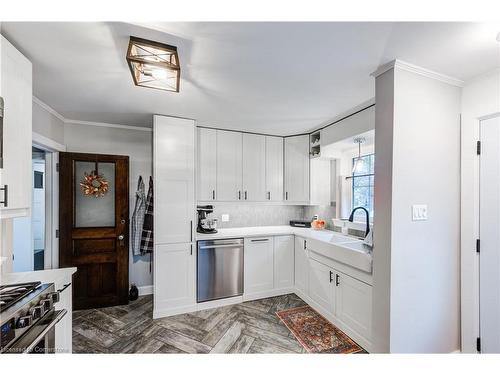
{"x":145,"y":290}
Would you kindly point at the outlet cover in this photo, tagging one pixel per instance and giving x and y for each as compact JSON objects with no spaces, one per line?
{"x":419,"y":212}
{"x":225,"y":218}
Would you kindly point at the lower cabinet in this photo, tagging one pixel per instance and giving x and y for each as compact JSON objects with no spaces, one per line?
{"x":341,"y":297}
{"x":258,"y":266}
{"x":353,"y":304}
{"x":283,"y":262}
{"x":301,"y":266}
{"x":321,"y":285}
{"x":174,"y":278}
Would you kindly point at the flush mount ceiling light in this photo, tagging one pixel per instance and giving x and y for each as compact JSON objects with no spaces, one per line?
{"x":359,"y":164}
{"x":153,"y":64}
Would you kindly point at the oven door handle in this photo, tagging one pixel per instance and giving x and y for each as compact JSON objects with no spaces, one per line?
{"x":56,"y":318}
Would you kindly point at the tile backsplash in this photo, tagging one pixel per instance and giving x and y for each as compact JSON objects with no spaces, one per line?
{"x":245,"y":215}
{"x":326,"y":213}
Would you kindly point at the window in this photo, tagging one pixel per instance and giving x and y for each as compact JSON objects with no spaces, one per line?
{"x":362,"y":186}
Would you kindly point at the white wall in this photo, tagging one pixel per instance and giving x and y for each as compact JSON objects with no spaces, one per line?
{"x":137,"y":144}
{"x":480,"y":97}
{"x":47,"y":123}
{"x":418,"y":162}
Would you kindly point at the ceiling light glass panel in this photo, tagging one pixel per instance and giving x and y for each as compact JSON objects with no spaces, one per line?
{"x":153,"y":64}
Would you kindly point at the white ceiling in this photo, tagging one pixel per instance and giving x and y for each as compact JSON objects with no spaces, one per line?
{"x":276,"y":78}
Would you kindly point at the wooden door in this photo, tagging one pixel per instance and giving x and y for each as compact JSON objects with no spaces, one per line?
{"x":254,"y":167}
{"x":229,"y":173}
{"x":94,"y":230}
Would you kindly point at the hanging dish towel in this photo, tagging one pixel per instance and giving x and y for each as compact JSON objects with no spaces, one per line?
{"x":147,"y":228}
{"x":138,"y":217}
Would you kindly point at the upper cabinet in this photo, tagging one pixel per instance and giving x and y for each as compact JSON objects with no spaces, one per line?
{"x":235,"y":166}
{"x":16,"y":90}
{"x":229,"y":160}
{"x":173,"y":169}
{"x":274,"y":169}
{"x":207,"y":164}
{"x":254,"y":167}
{"x":297,"y":169}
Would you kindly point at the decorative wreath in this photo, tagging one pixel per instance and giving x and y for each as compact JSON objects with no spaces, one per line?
{"x":94,"y":184}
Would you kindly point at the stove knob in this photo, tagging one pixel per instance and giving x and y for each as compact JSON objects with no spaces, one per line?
{"x":54,"y":296}
{"x":37,"y":311}
{"x":24,"y":321}
{"x":47,"y":304}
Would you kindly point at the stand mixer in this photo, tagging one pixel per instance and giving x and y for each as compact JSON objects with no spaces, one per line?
{"x":206,"y":224}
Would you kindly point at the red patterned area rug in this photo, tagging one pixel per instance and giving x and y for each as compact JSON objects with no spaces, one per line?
{"x":315,"y":333}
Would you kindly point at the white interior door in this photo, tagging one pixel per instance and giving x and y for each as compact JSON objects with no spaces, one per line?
{"x":489,"y":233}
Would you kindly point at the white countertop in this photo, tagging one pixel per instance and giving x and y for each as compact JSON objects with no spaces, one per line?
{"x":44,"y":276}
{"x":346,"y":249}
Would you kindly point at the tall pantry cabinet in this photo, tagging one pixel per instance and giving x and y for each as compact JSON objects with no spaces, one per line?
{"x":174,"y":212}
{"x":16,"y":91}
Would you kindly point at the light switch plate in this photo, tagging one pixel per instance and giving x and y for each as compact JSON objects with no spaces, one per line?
{"x":225,"y":218}
{"x":419,"y":212}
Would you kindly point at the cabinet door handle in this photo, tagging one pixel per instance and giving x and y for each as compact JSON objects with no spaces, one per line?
{"x":337,"y":279}
{"x":213,"y":194}
{"x":331,"y":276}
{"x":269,"y":195}
{"x":191,"y":229}
{"x":305,"y":244}
{"x":5,"y":201}
{"x":239,"y":194}
{"x":245,"y":195}
{"x":286,"y":196}
{"x":191,"y":249}
{"x":260,"y":240}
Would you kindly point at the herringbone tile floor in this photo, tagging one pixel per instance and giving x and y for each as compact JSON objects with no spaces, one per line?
{"x":249,"y":327}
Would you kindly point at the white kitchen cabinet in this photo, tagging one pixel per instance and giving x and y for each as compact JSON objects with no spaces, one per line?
{"x":258,"y":266}
{"x":284,"y":264}
{"x":207,"y":164}
{"x":173,"y":169}
{"x":353,"y":304}
{"x":297,"y":169}
{"x":16,"y":90}
{"x":322,"y":285}
{"x":301,"y":266}
{"x":174,"y":278}
{"x":320,"y":182}
{"x":254,"y":167}
{"x":64,"y":329}
{"x":229,"y":161}
{"x":274,"y":169}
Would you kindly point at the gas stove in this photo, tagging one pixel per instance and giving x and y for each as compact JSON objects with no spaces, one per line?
{"x":28,"y":316}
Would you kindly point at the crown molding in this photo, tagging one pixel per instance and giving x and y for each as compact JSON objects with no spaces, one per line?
{"x":403,"y":65}
{"x":106,"y":125}
{"x":49,"y":109}
{"x":65,"y":120}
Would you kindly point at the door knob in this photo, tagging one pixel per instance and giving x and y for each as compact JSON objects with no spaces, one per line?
{"x":121,"y":237}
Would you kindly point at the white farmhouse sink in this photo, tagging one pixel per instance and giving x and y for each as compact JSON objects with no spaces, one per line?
{"x":344,"y":249}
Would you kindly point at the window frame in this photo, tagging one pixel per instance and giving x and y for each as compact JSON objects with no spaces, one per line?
{"x":370,"y":186}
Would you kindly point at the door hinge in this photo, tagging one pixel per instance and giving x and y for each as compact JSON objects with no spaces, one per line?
{"x":57,"y":233}
{"x":478,"y":147}
{"x":478,"y":246}
{"x":57,"y":167}
{"x":478,"y":344}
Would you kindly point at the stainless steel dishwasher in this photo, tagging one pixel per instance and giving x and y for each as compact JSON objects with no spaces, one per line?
{"x":219,"y":269}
